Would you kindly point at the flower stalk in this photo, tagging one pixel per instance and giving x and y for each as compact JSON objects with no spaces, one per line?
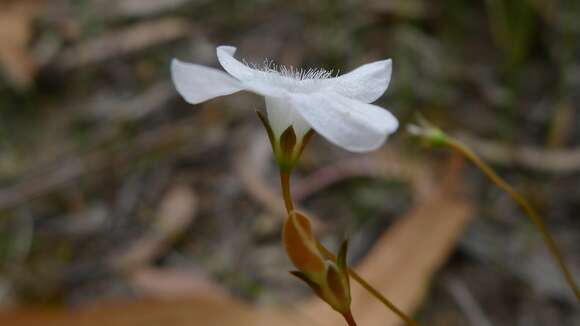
{"x":285,"y":184}
{"x":299,"y":102}
{"x":436,"y":137}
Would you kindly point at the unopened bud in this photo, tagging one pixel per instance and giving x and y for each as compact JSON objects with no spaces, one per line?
{"x":327,"y":278}
{"x":300,"y":244}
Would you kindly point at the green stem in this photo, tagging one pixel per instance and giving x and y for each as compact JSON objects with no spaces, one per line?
{"x":285,"y":183}
{"x":534,"y":217}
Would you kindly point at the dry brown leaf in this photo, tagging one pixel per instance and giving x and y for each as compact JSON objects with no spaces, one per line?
{"x":15,"y":32}
{"x":400,"y":266}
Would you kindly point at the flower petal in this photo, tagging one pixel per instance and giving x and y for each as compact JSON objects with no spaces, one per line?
{"x":282,"y":115}
{"x":199,"y":83}
{"x":366,"y":83}
{"x":351,"y":124}
{"x":234,"y":67}
{"x":262,"y":87}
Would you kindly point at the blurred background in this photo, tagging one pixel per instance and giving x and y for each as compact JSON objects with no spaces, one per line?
{"x":113,"y":189}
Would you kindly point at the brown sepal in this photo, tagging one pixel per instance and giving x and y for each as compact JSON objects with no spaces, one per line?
{"x":287,"y":142}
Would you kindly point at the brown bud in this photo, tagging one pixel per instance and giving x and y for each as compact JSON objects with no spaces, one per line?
{"x":333,"y":287}
{"x":327,"y":278}
{"x":301,"y":246}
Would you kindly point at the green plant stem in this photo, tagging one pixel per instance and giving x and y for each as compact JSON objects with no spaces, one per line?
{"x":285,"y":183}
{"x":534,"y":217}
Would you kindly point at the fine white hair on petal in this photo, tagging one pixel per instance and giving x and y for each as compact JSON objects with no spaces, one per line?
{"x":282,"y":115}
{"x":272,"y":69}
{"x":270,"y":78}
{"x":366,"y":83}
{"x":198,"y":83}
{"x":234,"y":67}
{"x":351,"y":124}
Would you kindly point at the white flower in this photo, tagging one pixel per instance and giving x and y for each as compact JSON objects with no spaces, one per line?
{"x":335,"y":107}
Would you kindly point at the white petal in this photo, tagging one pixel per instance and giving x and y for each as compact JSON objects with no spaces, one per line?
{"x":199,"y":83}
{"x":262,"y":87}
{"x":366,"y":83}
{"x":351,"y":124}
{"x":236,"y":68}
{"x":281,"y":115}
{"x":253,"y":80}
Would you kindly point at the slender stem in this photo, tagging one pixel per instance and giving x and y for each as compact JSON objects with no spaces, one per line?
{"x":534,"y":217}
{"x":285,"y":183}
{"x":370,"y":289}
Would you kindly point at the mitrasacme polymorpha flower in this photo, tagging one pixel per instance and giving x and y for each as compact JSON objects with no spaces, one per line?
{"x":337,"y":107}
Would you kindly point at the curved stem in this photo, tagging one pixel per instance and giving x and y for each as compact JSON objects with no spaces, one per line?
{"x":520,"y":200}
{"x":285,"y":183}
